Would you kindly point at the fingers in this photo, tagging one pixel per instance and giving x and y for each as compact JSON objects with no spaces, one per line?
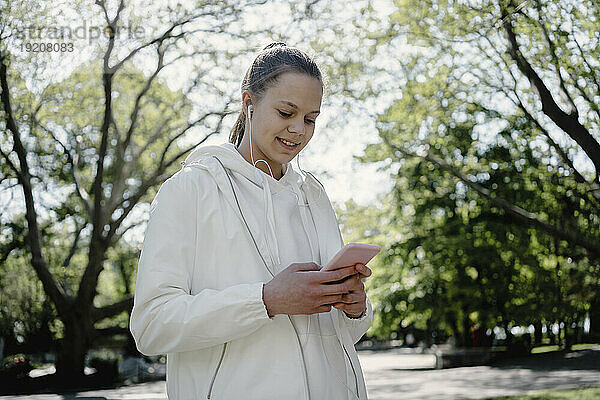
{"x":305,"y":266}
{"x":324,"y":308}
{"x":336,"y":275}
{"x":352,"y":309}
{"x":363,"y":270}
{"x":332,"y":299}
{"x":352,"y":284}
{"x":352,"y":298}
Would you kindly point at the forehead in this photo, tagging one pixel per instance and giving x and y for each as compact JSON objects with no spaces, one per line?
{"x":302,"y":90}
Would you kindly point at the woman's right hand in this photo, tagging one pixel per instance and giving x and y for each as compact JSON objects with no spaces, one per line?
{"x":302,"y":288}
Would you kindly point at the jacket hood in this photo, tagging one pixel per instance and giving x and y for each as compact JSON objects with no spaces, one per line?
{"x":231,"y":158}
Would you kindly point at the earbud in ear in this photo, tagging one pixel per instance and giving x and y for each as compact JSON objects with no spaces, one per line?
{"x":250,"y":111}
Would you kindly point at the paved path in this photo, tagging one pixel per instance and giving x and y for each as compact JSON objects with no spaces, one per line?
{"x":389,"y":378}
{"x":544,"y":371}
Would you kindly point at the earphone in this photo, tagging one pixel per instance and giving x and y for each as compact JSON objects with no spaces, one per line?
{"x":250,"y":112}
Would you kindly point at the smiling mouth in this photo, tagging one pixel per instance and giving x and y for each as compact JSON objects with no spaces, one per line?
{"x":287,"y":144}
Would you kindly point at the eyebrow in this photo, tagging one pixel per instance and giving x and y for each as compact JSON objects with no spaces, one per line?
{"x":296,"y":107}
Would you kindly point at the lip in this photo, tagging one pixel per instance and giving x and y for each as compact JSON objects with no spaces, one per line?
{"x":285,"y":146}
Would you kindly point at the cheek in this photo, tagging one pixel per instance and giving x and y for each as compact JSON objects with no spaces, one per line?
{"x":309,"y":133}
{"x":308,"y":138}
{"x":273,"y":127}
{"x":263,"y":130}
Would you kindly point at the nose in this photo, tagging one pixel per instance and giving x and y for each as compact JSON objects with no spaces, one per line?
{"x":297,"y":127}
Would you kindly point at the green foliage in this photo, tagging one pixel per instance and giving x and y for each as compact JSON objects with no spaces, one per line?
{"x":23,"y":305}
{"x":453,"y":257}
{"x":70,"y":112}
{"x":565,"y":394}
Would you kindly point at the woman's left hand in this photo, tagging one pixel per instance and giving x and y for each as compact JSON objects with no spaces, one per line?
{"x":354,"y":303}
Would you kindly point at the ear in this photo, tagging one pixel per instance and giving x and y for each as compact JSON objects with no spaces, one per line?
{"x":246,"y":101}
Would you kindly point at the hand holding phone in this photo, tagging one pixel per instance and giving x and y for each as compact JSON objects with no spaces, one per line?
{"x":353,"y":303}
{"x":352,"y":253}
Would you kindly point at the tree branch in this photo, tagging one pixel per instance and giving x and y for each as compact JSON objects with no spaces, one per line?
{"x":119,"y":176}
{"x":113,"y":330}
{"x":552,"y":49}
{"x":51,"y":287}
{"x":111,"y":310}
{"x":567,"y":122}
{"x":592,"y":70}
{"x":15,"y":244}
{"x":519,"y":103}
{"x":158,"y":176}
{"x":515,"y":211}
{"x":83,"y":194}
{"x":73,"y":249}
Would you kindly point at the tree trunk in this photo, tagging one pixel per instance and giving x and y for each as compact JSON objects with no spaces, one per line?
{"x":537,"y":335}
{"x":568,"y":334}
{"x":70,"y":357}
{"x":595,"y":319}
{"x":551,"y":334}
{"x":428,"y":330}
{"x":509,"y":335}
{"x":467,"y":333}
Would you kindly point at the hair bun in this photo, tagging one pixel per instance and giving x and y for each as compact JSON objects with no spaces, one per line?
{"x":274,"y":44}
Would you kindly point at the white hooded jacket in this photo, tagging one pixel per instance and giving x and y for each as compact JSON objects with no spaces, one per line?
{"x":198,"y":296}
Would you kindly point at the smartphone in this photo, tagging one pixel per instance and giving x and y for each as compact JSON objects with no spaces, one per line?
{"x":352,"y":253}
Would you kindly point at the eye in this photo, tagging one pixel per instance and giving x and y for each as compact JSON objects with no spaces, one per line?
{"x":310,"y":121}
{"x":284,"y":114}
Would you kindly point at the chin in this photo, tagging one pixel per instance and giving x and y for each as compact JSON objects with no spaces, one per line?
{"x":283,"y":159}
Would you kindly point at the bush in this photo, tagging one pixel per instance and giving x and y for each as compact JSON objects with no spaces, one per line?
{"x":15,"y":366}
{"x":106,"y":365}
{"x":520,"y":345}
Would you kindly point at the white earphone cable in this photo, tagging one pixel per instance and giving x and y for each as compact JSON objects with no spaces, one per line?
{"x":251,"y":156}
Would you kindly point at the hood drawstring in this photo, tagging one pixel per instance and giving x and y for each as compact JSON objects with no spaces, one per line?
{"x":269,"y":219}
{"x":230,"y":157}
{"x":305,"y":215}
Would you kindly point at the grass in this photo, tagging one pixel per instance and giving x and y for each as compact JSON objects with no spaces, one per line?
{"x":568,"y":394}
{"x":549,"y":348}
{"x":583,"y":346}
{"x":544,"y":349}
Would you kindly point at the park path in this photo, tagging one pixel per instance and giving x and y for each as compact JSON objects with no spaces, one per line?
{"x":391,"y":375}
{"x":387,"y":381}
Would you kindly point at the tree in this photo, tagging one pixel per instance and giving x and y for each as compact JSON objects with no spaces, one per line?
{"x":102,"y":139}
{"x":497,"y":101}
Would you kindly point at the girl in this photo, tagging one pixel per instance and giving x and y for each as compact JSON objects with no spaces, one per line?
{"x":229,"y":284}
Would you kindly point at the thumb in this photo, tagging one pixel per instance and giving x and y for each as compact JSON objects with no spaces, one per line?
{"x":305,"y":266}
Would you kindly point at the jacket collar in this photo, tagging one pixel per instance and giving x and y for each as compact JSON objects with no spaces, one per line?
{"x":220,"y":160}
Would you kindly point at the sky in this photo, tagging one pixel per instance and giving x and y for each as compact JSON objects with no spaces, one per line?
{"x":332,"y":149}
{"x":339,"y":136}
{"x":329,"y":155}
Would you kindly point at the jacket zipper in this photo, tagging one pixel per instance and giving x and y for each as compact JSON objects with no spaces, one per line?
{"x":272,"y":274}
{"x":299,"y":348}
{"x":244,"y":218}
{"x":212,"y":382}
{"x":353,"y":371}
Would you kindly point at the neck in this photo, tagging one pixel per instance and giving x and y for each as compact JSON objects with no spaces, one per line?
{"x":276,"y":168}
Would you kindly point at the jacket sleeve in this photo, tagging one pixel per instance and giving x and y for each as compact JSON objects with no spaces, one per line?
{"x":359,"y":326}
{"x":166,"y":318}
